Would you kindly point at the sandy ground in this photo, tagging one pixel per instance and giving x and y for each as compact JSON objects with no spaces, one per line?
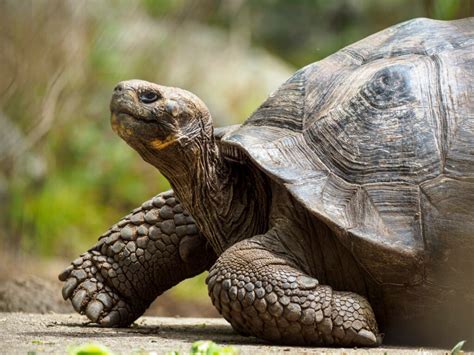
{"x":21,"y":333}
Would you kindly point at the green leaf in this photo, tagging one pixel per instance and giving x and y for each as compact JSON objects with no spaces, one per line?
{"x":201,"y":347}
{"x":228,"y":350}
{"x":90,"y":349}
{"x":208,"y":347}
{"x":457,"y":349}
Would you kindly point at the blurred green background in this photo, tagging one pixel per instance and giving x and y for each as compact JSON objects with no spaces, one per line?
{"x":64,"y":176}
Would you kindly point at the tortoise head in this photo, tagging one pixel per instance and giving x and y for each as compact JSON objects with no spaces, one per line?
{"x":158,"y":121}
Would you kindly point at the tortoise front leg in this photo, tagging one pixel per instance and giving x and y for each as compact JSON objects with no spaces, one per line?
{"x":264,"y":294}
{"x":143,"y":255}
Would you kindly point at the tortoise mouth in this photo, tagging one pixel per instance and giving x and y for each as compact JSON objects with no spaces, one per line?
{"x":129,"y":115}
{"x":128,"y":126}
{"x":141,"y":133}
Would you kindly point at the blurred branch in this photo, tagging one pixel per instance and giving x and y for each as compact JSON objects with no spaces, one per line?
{"x":10,"y":57}
{"x":15,"y":143}
{"x":48,"y":109}
{"x":10,"y":136}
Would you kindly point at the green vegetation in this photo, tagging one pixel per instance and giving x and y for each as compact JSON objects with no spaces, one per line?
{"x":207,"y":347}
{"x":89,"y":349}
{"x":201,"y":347}
{"x":457,"y":349}
{"x":188,"y":289}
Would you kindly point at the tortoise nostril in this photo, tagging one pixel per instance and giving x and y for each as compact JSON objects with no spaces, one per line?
{"x":119,"y":87}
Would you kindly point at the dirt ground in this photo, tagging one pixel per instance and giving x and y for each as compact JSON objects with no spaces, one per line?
{"x":21,"y":333}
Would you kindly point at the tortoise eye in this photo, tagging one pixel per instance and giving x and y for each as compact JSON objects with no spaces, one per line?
{"x":148,"y":97}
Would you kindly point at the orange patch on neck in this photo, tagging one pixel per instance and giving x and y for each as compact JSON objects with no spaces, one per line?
{"x":160,"y":144}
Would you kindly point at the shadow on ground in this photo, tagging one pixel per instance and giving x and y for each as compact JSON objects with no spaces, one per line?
{"x":54,"y":333}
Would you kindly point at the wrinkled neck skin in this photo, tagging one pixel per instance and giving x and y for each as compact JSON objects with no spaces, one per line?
{"x":227,"y":200}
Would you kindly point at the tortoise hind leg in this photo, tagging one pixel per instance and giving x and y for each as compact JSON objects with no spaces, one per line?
{"x":264,"y":294}
{"x":144,"y":254}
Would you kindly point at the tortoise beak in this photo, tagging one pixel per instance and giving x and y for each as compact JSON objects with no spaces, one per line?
{"x":123,"y":100}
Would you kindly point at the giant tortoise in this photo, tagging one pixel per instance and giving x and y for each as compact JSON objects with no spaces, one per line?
{"x":339,"y":213}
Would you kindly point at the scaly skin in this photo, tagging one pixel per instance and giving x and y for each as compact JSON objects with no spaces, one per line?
{"x":144,"y":254}
{"x":264,"y":294}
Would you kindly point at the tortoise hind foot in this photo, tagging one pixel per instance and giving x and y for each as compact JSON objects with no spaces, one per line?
{"x":353,"y":320}
{"x":92,"y":292}
{"x":264,"y":294}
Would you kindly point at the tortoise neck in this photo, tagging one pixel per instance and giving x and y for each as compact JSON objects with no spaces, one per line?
{"x":227,"y":200}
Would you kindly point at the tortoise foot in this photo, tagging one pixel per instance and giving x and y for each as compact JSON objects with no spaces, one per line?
{"x":89,"y":284}
{"x":265,"y":295}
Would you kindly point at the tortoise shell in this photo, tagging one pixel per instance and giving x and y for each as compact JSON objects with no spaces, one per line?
{"x":377,"y":141}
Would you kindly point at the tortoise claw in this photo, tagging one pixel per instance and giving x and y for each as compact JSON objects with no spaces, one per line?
{"x":65,"y":274}
{"x":111,"y":320}
{"x":78,"y":300}
{"x":69,"y":287}
{"x":366,"y":338}
{"x":94,"y":310}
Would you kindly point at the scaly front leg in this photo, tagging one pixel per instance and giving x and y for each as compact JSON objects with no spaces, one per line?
{"x":264,"y":294}
{"x":143,"y":255}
